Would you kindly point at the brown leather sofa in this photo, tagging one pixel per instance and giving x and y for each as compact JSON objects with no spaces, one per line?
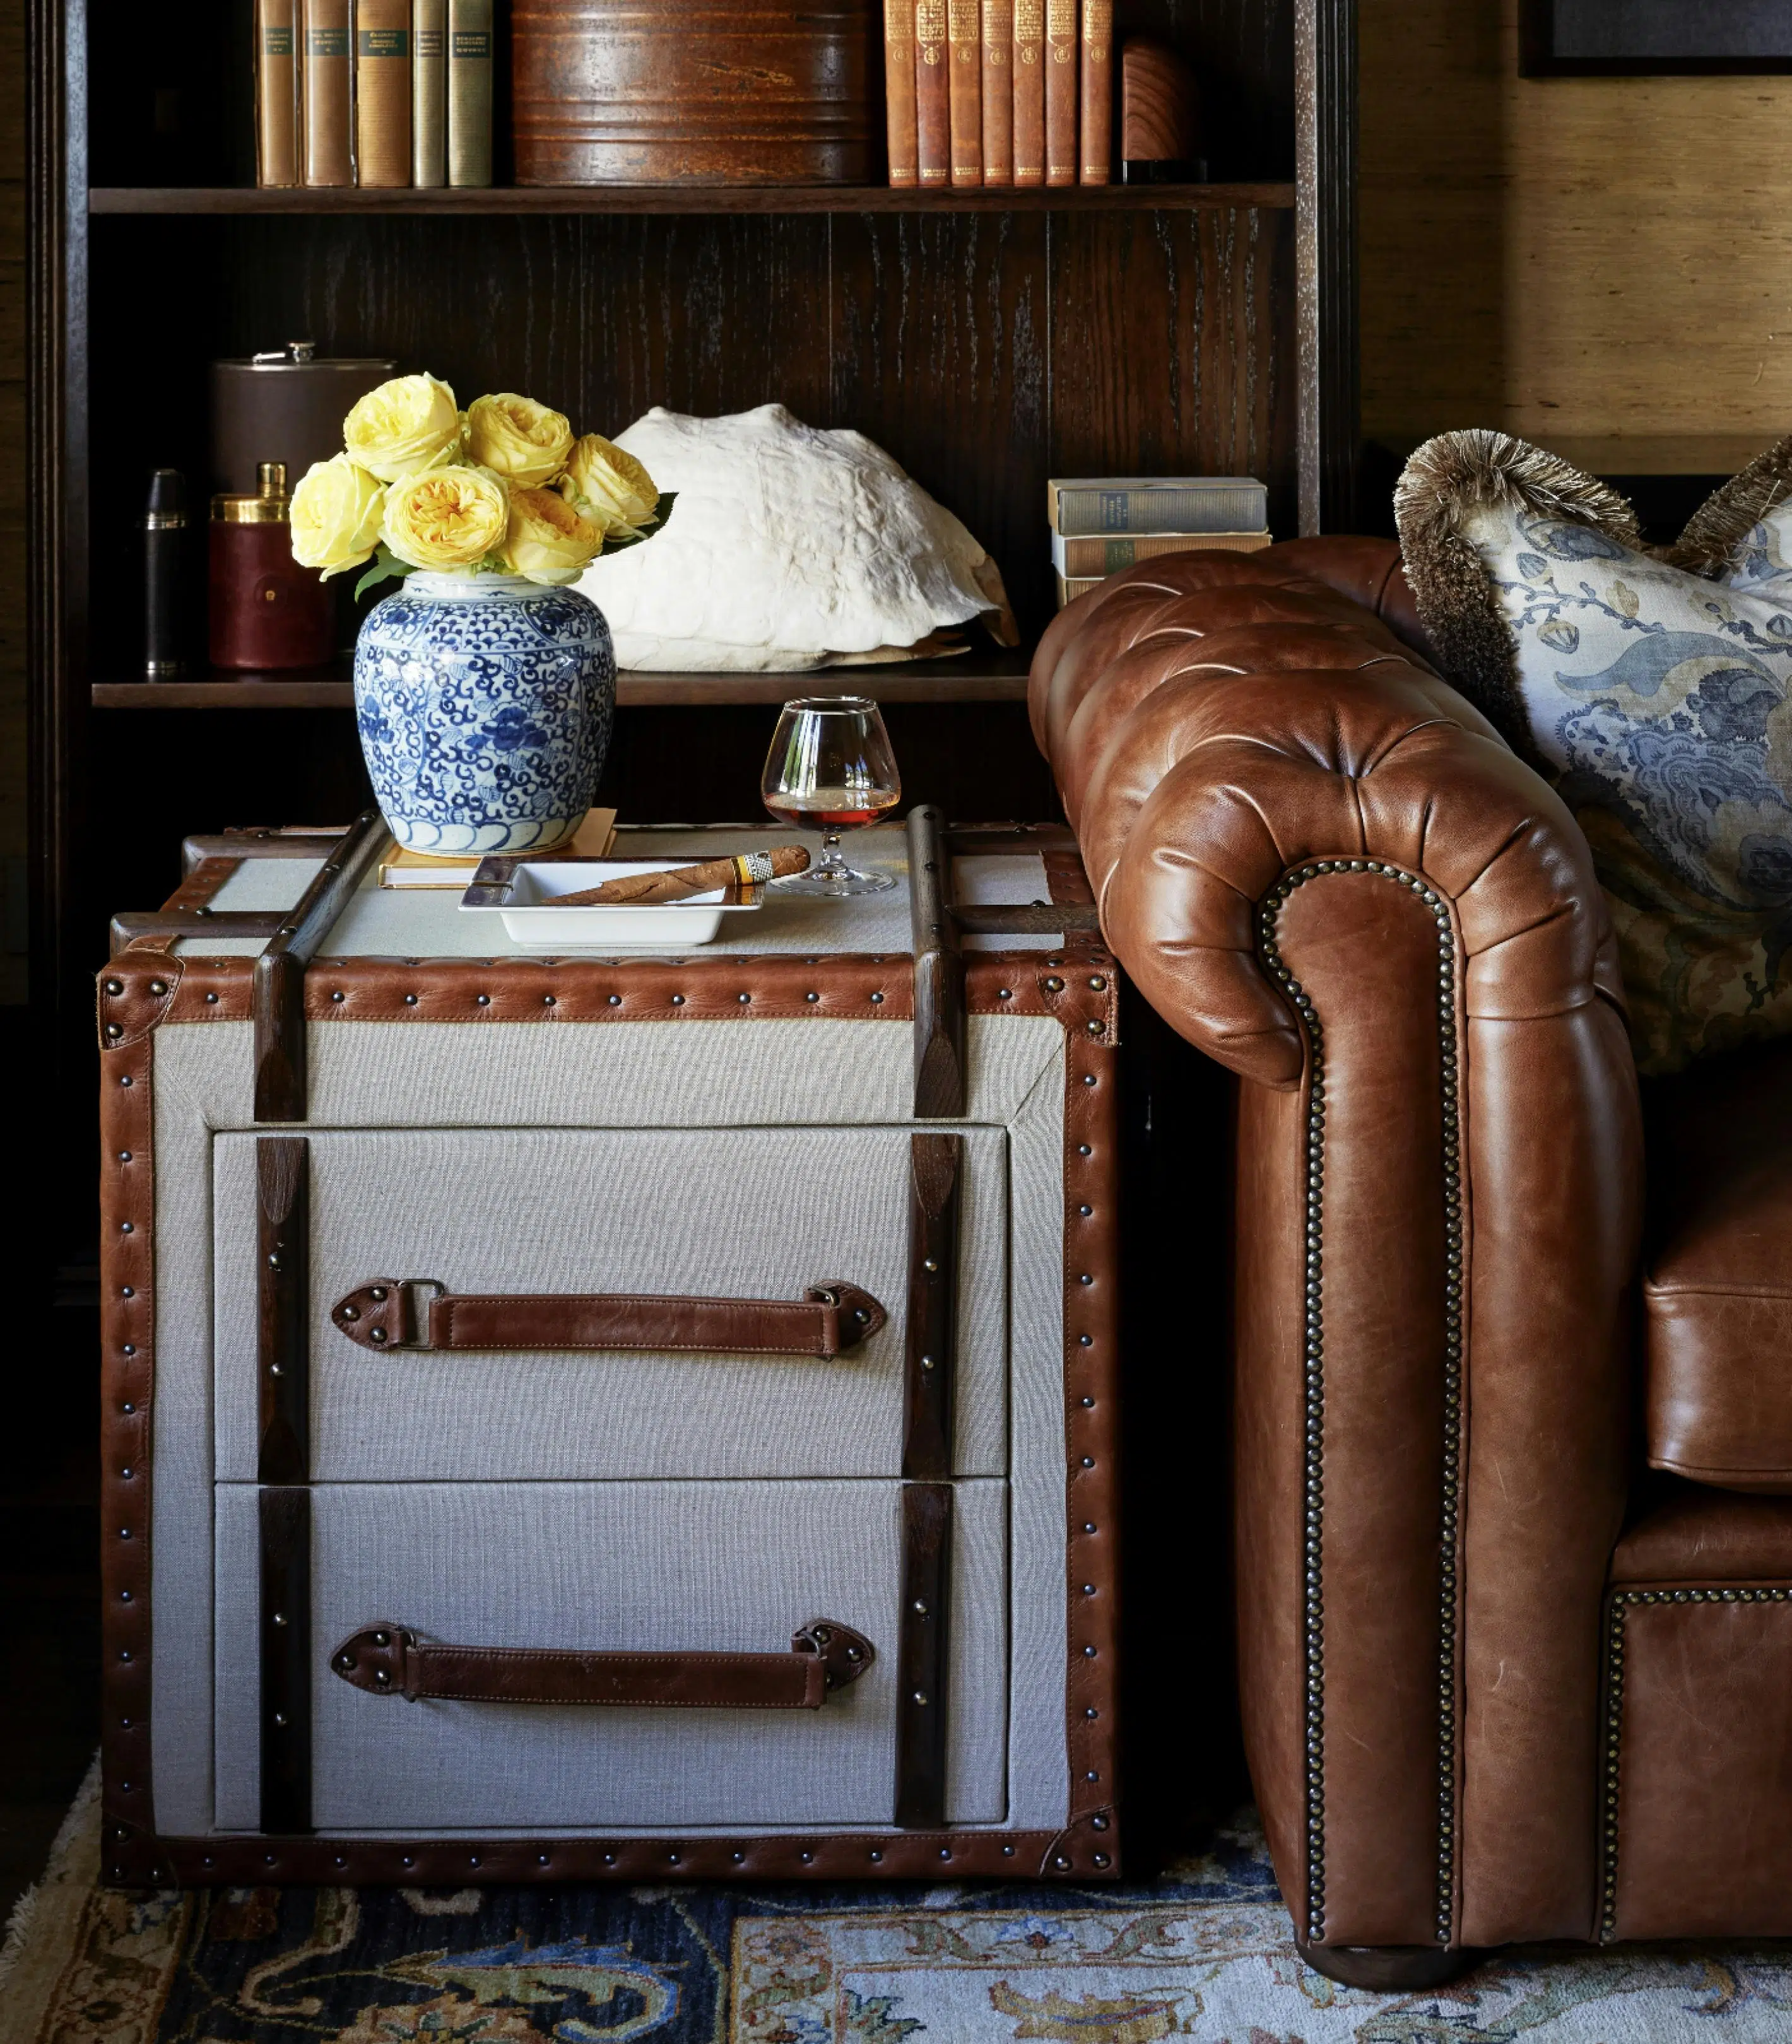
{"x":1513,"y":1485}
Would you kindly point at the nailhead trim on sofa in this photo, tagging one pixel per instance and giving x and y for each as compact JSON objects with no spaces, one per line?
{"x":1623,"y":1603}
{"x":1313,"y":1501}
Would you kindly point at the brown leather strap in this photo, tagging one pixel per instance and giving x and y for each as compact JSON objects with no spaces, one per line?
{"x":389,"y":1661}
{"x":829,"y":1319}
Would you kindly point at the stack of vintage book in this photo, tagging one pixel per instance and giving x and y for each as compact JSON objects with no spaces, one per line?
{"x":378,"y":93}
{"x":999,"y":92}
{"x":1100,"y":525}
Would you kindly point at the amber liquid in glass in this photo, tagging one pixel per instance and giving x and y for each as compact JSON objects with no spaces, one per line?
{"x":832,"y":808}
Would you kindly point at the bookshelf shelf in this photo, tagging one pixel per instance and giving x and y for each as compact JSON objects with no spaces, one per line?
{"x":698,"y":199}
{"x":978,"y":678}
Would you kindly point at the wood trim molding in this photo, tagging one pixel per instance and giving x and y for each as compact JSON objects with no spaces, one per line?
{"x":56,"y":491}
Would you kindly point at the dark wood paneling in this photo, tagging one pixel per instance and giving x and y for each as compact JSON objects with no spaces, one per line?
{"x":703,"y":315}
{"x":940,"y":353}
{"x":487,"y":304}
{"x":1172,"y":348}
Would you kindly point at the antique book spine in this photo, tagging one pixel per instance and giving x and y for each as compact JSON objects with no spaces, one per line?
{"x":276,"y":95}
{"x":1029,"y":92}
{"x":1060,"y":91}
{"x":383,"y":93}
{"x":998,"y":94}
{"x":1099,"y":556}
{"x":934,"y":128}
{"x":329,"y":155}
{"x":1096,"y":91}
{"x":1196,"y":504}
{"x":469,"y":92}
{"x":429,"y":103}
{"x":964,"y":48}
{"x":899,"y":90}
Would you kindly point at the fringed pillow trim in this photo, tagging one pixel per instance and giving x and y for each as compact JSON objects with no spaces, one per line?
{"x":1708,"y":545}
{"x":1446,"y":479}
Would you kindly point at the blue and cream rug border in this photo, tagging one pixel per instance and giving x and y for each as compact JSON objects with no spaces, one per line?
{"x":1203,"y":1953}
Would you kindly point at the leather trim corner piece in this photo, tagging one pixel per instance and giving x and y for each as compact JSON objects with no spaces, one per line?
{"x":134,"y":1000}
{"x":1449,"y":1658}
{"x":1091,"y":1840}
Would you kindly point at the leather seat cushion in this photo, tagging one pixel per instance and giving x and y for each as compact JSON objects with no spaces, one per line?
{"x":1717,"y":1294}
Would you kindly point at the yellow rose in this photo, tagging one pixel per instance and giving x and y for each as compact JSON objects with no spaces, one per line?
{"x":445,"y":519}
{"x":336,"y":516}
{"x":517,"y":438}
{"x":548,"y":540}
{"x":405,"y":425}
{"x":609,"y":486}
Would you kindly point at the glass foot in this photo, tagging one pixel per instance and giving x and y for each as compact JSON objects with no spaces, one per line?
{"x":834,"y":881}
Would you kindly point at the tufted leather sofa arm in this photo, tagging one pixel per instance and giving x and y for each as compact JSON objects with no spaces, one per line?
{"x":1326,"y":870}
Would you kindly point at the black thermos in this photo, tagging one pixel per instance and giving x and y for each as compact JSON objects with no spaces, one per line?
{"x":164,"y":544}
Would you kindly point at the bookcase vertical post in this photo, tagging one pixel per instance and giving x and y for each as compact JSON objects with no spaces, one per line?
{"x":1325,"y":258}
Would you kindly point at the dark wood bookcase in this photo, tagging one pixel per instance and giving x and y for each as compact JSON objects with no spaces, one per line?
{"x":988,"y":339}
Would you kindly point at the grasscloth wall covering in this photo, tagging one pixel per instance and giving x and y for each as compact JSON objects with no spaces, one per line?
{"x":1566,"y":256}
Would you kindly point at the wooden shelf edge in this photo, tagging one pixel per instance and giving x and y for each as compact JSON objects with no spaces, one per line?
{"x":528,"y":199}
{"x":634,"y":690}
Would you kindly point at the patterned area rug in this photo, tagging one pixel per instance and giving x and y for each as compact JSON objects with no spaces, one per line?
{"x":1203,"y":1953}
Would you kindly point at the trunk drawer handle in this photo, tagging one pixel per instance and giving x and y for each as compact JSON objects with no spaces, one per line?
{"x":391,"y":1661}
{"x":385,"y":1313}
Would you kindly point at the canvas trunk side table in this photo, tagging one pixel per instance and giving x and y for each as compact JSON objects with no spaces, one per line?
{"x":575,"y":1417}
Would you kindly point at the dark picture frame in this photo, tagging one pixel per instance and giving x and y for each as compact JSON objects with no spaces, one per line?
{"x":1654,"y":38}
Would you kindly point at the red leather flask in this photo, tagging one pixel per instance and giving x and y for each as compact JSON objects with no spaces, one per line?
{"x":267,"y":612}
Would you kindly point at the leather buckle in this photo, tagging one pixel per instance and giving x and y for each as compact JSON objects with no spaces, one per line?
{"x":385,"y":1314}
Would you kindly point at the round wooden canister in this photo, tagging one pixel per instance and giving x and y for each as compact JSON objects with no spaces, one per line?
{"x":698,"y":92}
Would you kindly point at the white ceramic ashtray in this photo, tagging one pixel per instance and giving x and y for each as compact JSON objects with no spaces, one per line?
{"x":521,"y":892}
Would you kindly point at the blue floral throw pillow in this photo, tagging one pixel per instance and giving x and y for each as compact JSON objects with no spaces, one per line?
{"x":1653,"y":688}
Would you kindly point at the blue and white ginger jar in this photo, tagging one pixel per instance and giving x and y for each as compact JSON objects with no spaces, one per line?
{"x":485,"y":704}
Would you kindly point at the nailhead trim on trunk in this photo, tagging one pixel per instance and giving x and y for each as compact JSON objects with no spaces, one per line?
{"x":1314,"y":1499}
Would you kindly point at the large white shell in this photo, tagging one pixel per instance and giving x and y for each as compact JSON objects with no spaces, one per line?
{"x":789,"y":547}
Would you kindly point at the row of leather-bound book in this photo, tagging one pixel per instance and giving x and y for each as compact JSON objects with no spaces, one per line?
{"x":999,"y":92}
{"x":381,"y":92}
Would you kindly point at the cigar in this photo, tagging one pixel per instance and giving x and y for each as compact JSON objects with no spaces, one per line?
{"x":745,"y":869}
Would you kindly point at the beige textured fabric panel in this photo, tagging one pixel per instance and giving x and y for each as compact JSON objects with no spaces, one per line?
{"x":732,"y":1567}
{"x":739,"y":1213}
{"x":764,"y":1073}
{"x":180,"y":1714}
{"x":1039,"y":1772}
{"x":608,"y":1074}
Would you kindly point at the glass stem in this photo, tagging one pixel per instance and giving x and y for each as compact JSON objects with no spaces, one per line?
{"x":831,"y":862}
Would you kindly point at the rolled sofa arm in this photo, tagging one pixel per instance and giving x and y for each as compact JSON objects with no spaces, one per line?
{"x":1325,"y":869}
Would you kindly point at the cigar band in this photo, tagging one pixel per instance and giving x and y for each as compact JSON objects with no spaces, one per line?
{"x":752,"y":868}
